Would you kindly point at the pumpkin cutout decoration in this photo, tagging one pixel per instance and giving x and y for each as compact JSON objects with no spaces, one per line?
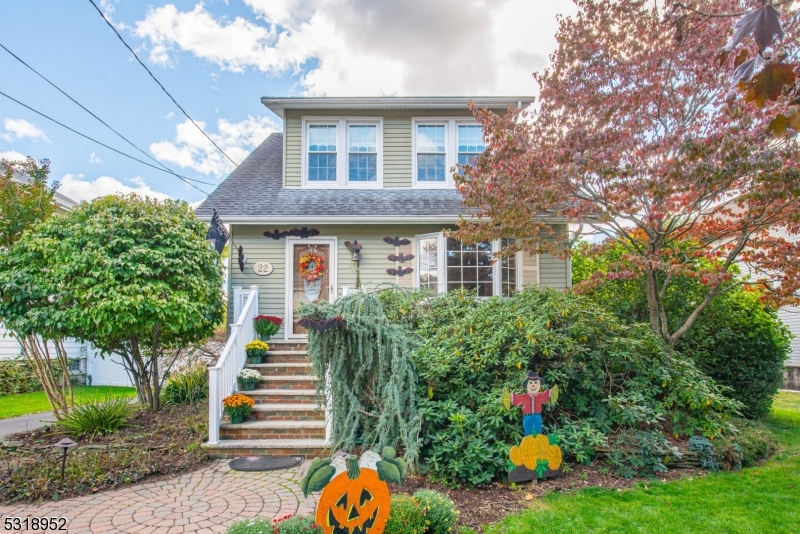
{"x":355,"y":500}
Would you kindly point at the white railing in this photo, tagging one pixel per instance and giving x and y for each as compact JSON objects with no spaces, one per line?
{"x":222,"y":377}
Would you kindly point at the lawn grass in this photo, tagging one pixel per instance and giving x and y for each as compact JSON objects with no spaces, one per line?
{"x":36,"y":402}
{"x":760,"y":499}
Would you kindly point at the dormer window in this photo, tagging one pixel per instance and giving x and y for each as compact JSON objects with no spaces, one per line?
{"x":431,"y":153}
{"x":470,"y":143}
{"x":342,"y":152}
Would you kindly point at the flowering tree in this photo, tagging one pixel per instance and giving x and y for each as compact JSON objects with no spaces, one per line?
{"x":637,"y":136}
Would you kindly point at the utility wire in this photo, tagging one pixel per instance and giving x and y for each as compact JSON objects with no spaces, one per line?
{"x":104,"y":123}
{"x":96,"y":141}
{"x":159,"y":83}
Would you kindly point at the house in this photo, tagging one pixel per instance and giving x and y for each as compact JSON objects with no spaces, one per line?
{"x":353,"y":194}
{"x":85,"y":362}
{"x":362,"y":170}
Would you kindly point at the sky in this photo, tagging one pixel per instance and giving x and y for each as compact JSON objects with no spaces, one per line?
{"x":219,"y":57}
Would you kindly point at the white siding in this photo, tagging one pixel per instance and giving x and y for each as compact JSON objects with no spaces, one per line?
{"x":791,"y":316}
{"x":9,"y":348}
{"x":107,"y":371}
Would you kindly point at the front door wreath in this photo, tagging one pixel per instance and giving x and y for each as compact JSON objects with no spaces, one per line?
{"x":311,"y":266}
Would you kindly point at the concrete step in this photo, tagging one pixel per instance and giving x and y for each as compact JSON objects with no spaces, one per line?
{"x":233,"y":448}
{"x":283,"y":396}
{"x":281,"y":369}
{"x":287,"y":412}
{"x":287,"y":345}
{"x":288,"y":382}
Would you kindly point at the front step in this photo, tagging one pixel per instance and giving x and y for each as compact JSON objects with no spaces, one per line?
{"x":287,"y":412}
{"x":281,"y":369}
{"x":283,"y":396}
{"x":283,"y":382}
{"x":287,"y":356}
{"x":234,"y":448}
{"x":273,"y":430}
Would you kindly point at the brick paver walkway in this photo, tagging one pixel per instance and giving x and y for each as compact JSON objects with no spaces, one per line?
{"x":208,"y":500}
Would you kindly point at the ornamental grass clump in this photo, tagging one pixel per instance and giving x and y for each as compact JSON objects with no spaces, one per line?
{"x":238,"y":405}
{"x":256,"y":350}
{"x":373,"y":380}
{"x":97,"y":416}
{"x":267,"y":325}
{"x":187,"y":386}
{"x":248,"y":378}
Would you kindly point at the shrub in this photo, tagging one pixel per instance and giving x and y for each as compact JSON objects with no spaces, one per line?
{"x":187,"y":386}
{"x":16,"y":376}
{"x":705,"y":452}
{"x":407,"y":516}
{"x":756,"y":441}
{"x":613,"y":377}
{"x":737,"y":341}
{"x":641,"y":453}
{"x":440,"y":511}
{"x":97,"y":416}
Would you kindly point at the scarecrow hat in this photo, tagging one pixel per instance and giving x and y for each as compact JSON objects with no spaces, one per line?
{"x":531,"y":376}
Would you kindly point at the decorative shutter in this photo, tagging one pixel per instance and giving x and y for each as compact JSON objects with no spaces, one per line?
{"x":530,"y":269}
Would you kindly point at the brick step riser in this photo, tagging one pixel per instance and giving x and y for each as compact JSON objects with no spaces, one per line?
{"x":272,"y":433}
{"x":306,"y":453}
{"x":273,"y":383}
{"x":309,"y":415}
{"x":283,"y":371}
{"x":286,"y":358}
{"x":284,"y":398}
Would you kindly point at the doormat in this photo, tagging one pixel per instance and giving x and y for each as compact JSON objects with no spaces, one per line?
{"x":265,"y":463}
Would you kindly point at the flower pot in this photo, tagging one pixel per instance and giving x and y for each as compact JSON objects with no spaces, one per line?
{"x":254,"y":360}
{"x":247,"y":386}
{"x":264,"y":337}
{"x":236,"y":419}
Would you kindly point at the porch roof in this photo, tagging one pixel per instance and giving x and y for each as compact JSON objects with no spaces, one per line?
{"x":254,"y":192}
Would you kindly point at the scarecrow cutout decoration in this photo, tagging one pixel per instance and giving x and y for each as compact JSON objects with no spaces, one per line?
{"x":538,"y":456}
{"x":355,"y":498}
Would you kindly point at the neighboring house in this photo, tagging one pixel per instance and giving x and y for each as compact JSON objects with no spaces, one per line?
{"x":84,"y":359}
{"x":362,"y":170}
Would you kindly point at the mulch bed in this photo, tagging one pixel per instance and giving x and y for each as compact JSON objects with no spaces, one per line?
{"x":491,"y":503}
{"x":171,"y":438}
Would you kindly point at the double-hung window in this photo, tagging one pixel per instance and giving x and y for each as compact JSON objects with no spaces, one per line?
{"x":342,"y":152}
{"x":322,"y":153}
{"x":431,"y":153}
{"x":362,"y":153}
{"x":441,"y":144}
{"x":470,"y":143}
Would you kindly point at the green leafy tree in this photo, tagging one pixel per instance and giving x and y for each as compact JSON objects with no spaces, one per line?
{"x":133,"y":276}
{"x":25,"y":201}
{"x":738,"y":340}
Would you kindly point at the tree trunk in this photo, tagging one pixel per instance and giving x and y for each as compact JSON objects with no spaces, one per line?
{"x":37,"y":353}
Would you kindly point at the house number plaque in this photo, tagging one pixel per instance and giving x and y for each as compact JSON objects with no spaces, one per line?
{"x":263,"y":268}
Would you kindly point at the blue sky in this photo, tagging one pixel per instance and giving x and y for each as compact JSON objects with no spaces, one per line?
{"x":219,"y":57}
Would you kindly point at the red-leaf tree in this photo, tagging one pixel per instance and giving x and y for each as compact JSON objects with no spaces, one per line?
{"x":635,"y":136}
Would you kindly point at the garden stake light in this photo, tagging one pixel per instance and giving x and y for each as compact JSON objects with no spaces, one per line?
{"x":64,"y":444}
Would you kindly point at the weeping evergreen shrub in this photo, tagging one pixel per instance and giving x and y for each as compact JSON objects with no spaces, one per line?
{"x":373,"y":380}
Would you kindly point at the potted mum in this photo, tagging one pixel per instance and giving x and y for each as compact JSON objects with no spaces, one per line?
{"x":238,"y":406}
{"x":248,"y":378}
{"x":267,"y":326}
{"x":256,"y":350}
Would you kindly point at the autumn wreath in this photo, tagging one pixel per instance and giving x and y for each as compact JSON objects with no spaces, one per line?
{"x":311,"y":273}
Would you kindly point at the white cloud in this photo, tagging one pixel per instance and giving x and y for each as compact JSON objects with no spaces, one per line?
{"x":77,"y":188}
{"x":20,"y":128}
{"x":12,"y":155}
{"x":93,"y":158}
{"x":190,"y":149}
{"x":363,"y":47}
{"x":169,"y":115}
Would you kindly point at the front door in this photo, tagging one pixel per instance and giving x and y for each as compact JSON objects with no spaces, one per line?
{"x":311,"y":276}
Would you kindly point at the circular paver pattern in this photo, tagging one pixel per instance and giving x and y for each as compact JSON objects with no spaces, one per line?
{"x":207,"y":500}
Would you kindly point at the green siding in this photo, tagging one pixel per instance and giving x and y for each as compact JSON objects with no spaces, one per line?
{"x":396,"y":140}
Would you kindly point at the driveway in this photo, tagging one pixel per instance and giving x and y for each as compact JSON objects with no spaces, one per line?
{"x":207,"y":500}
{"x":23,"y":423}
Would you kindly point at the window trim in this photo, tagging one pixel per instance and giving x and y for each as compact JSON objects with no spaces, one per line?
{"x":450,"y":149}
{"x":497,"y":273}
{"x":342,"y":152}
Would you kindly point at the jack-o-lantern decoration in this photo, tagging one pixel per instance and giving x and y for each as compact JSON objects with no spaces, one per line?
{"x":354,"y":500}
